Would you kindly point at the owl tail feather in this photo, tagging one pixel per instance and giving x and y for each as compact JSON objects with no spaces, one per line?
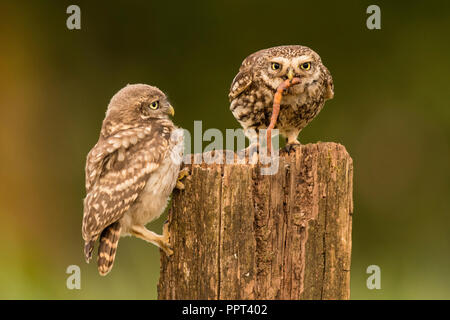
{"x":109,"y":240}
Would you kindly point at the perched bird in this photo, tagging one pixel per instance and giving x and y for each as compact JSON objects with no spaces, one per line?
{"x":130,"y":172}
{"x":252,"y":90}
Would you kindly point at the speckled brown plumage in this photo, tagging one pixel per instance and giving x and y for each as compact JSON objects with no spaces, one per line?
{"x":252,"y":91}
{"x":130,"y":172}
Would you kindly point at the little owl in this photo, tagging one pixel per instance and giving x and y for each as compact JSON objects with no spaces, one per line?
{"x":253,"y":89}
{"x":130,"y":172}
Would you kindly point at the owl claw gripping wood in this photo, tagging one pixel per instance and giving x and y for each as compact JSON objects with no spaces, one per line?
{"x":130,"y":172}
{"x":183,"y":174}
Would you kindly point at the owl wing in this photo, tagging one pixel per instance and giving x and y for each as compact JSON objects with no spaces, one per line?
{"x":244,"y":78}
{"x":117,"y":170}
{"x":329,"y":86}
{"x":327,"y":82}
{"x":240,"y":83}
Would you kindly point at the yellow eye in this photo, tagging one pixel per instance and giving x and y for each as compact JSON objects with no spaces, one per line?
{"x":276,"y":66}
{"x":305,"y":66}
{"x":154,"y":105}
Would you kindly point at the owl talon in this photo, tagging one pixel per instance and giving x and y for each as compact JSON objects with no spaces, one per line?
{"x":291,"y":147}
{"x":250,"y":153}
{"x":166,"y":233}
{"x":165,"y":243}
{"x":162,"y":241}
{"x":168,"y":251}
{"x":166,"y":247}
{"x":183,"y":174}
{"x":180,"y":185}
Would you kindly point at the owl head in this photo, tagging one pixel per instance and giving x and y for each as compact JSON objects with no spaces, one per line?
{"x":274,"y":65}
{"x":136,"y":105}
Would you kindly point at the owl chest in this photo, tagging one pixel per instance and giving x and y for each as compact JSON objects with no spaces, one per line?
{"x":153,"y":199}
{"x":296,"y":111}
{"x":254,"y":108}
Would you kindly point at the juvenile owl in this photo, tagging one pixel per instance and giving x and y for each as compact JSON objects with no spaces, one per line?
{"x":253,"y":89}
{"x":130,"y":172}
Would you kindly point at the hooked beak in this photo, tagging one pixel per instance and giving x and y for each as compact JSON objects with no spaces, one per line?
{"x":171,"y":111}
{"x":290,"y":74}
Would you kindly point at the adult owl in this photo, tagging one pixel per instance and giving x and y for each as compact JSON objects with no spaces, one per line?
{"x":130,"y":172}
{"x":252,"y":90}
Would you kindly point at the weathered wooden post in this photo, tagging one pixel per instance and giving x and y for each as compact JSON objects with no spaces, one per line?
{"x":238,"y":234}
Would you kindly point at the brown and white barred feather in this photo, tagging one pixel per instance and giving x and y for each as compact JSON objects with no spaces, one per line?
{"x":109,"y":240}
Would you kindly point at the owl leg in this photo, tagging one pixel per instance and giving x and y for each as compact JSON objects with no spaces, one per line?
{"x":161,"y":241}
{"x":291,"y":141}
{"x":251,"y":152}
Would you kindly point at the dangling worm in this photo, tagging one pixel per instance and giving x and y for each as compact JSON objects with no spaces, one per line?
{"x":276,"y":109}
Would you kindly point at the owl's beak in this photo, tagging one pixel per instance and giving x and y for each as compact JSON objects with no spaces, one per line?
{"x":171,"y":111}
{"x":290,"y":74}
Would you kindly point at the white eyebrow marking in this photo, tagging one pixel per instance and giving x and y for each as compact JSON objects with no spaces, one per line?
{"x":301,"y":59}
{"x":279,"y":60}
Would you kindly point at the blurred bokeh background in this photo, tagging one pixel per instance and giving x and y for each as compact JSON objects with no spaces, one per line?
{"x":391,"y":110}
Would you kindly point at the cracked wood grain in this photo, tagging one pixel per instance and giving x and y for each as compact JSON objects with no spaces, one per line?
{"x":238,"y":234}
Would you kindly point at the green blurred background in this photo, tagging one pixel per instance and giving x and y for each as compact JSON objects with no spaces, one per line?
{"x":391,"y":111}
